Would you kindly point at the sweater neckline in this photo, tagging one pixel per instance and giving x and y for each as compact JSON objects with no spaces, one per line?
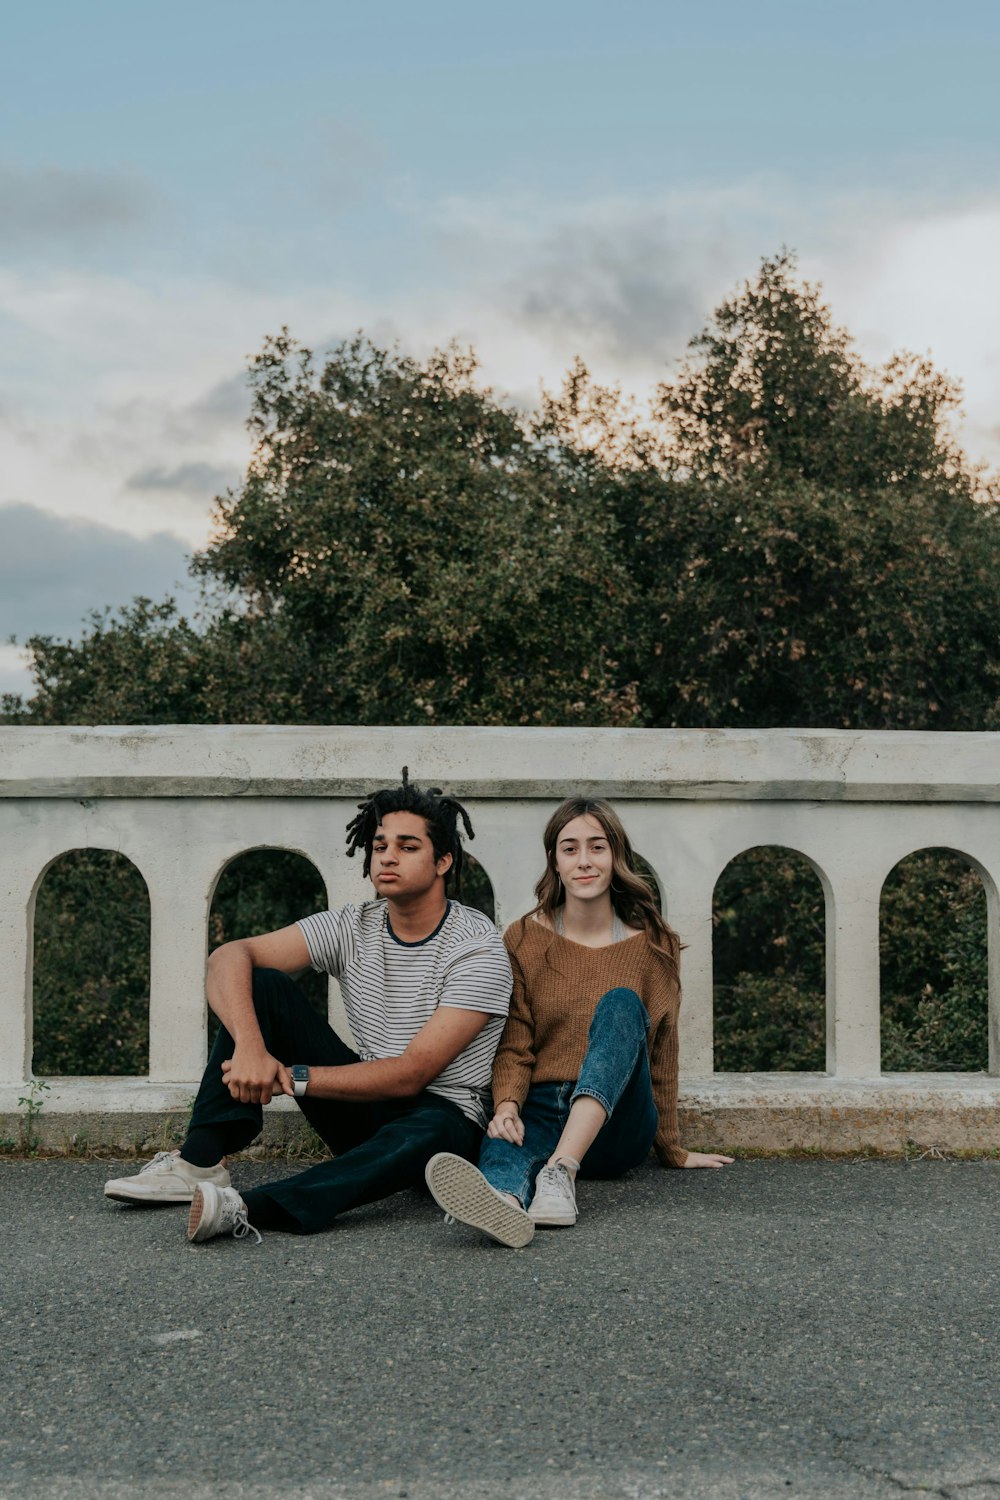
{"x":584,"y":947}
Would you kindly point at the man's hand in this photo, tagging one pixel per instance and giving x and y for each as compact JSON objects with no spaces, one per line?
{"x":255,"y":1077}
{"x":506,"y":1124}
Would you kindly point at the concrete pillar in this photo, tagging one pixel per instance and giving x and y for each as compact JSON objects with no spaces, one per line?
{"x":853,"y":1030}
{"x":993,"y":966}
{"x":508,"y":845}
{"x":16,"y":943}
{"x":689,"y":908}
{"x":179,"y":899}
{"x":681,"y":845}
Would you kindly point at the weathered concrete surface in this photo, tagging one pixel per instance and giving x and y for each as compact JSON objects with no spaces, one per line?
{"x":751,"y":1112}
{"x":182,"y":802}
{"x":186,"y":760}
{"x":794,"y":1329}
{"x":812,"y":1112}
{"x":77,"y":1115}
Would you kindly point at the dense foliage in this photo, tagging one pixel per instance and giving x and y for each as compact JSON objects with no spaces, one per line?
{"x":783,"y":536}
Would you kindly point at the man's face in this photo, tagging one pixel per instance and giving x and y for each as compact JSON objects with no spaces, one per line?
{"x":403,"y":864}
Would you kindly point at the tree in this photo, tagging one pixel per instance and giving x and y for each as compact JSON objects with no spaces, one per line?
{"x":402,"y":550}
{"x":807,"y":544}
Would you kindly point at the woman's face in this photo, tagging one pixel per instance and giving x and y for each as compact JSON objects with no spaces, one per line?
{"x":583,"y":858}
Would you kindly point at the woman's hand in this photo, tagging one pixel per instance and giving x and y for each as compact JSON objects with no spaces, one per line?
{"x":506,"y":1124}
{"x":708,"y":1159}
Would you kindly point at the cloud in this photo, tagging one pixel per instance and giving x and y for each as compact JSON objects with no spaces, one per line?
{"x":55,"y":206}
{"x":224,"y":405}
{"x":630,"y":297}
{"x":200,"y":480}
{"x":124,"y":400}
{"x":624,"y":281}
{"x":54,"y":570}
{"x":627,"y":281}
{"x":926,"y":281}
{"x":15,"y":676}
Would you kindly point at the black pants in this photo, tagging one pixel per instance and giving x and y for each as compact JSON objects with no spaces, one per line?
{"x":379,"y":1148}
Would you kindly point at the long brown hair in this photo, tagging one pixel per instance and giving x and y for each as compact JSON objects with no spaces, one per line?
{"x":631,"y":895}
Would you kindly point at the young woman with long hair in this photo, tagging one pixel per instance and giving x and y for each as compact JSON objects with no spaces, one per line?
{"x":585,"y":1077}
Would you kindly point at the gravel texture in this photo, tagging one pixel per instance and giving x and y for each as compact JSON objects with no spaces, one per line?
{"x":782,"y":1328}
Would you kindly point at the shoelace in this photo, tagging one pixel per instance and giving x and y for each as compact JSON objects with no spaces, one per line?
{"x":242,"y":1227}
{"x":161,"y":1156}
{"x":556,"y":1180}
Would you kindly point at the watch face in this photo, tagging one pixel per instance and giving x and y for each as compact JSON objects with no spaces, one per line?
{"x":300,"y":1073}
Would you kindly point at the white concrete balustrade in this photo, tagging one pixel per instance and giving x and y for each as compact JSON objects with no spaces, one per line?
{"x":182,"y":802}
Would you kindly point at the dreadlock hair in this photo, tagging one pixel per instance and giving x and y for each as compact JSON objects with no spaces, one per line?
{"x":441,"y":814}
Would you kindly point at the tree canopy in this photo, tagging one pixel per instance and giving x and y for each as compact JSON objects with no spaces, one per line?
{"x":784,"y":536}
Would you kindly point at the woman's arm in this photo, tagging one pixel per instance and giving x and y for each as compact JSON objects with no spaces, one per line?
{"x":663,"y":1070}
{"x":515,"y":1058}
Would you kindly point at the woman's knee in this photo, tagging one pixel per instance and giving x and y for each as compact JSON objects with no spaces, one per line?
{"x":621,"y":1006}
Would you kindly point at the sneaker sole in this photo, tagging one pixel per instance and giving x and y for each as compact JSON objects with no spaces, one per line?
{"x":125,"y":1195}
{"x":551,"y":1222}
{"x":462,"y":1191}
{"x":195,"y":1218}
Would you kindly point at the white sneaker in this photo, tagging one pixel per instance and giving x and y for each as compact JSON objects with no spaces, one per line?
{"x":168,"y":1178}
{"x":464,"y":1194}
{"x":554,"y":1203}
{"x":218,"y":1210}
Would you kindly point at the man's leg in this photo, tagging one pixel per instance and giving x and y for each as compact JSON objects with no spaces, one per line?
{"x":392,"y":1158}
{"x":492,"y":1196}
{"x":220,"y":1124}
{"x":293,"y":1033}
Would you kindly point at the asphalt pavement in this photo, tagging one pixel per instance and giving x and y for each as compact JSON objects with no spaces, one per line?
{"x":779,"y":1328}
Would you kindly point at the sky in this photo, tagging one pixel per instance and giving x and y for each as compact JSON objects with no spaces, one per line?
{"x":539,"y":181}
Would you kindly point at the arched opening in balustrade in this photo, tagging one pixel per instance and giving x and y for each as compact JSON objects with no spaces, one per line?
{"x":477,"y":887}
{"x":769,"y":964}
{"x":263,"y":890}
{"x":933,"y":953}
{"x":90,"y":981}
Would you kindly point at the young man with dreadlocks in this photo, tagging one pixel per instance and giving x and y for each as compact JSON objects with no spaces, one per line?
{"x":426,"y":985}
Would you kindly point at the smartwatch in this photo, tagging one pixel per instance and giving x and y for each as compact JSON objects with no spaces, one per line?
{"x":300,"y":1079}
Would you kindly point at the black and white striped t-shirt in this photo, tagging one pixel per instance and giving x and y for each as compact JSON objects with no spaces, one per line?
{"x":392,"y":988}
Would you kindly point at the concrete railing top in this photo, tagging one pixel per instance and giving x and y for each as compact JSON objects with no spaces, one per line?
{"x":675,"y":764}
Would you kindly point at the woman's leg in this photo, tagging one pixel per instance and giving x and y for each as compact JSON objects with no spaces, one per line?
{"x":491,"y":1197}
{"x":512,"y":1169}
{"x":613,"y":1086}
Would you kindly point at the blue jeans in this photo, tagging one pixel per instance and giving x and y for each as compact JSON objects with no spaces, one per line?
{"x":615,"y":1071}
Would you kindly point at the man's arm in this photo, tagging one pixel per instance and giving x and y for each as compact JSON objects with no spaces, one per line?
{"x":438,"y":1042}
{"x":253,"y":1074}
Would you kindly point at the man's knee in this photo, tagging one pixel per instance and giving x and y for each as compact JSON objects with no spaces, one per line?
{"x":272,"y":988}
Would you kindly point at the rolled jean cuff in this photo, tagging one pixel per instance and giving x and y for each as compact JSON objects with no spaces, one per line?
{"x":591,"y":1093}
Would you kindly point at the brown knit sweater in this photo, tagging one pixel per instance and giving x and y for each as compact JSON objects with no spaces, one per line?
{"x":557,"y":984}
